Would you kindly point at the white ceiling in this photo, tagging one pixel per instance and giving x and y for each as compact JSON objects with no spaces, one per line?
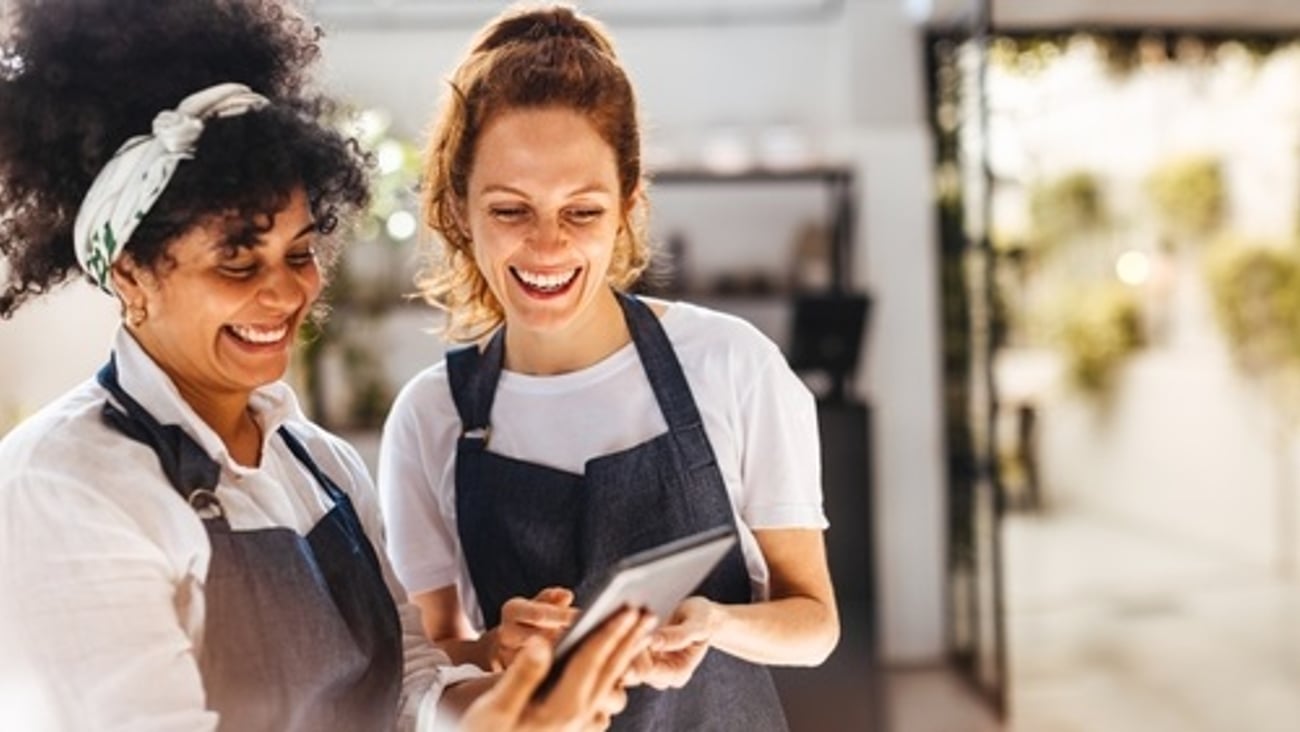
{"x":1263,"y":15}
{"x":622,"y":12}
{"x":1270,"y":16}
{"x":1281,"y":16}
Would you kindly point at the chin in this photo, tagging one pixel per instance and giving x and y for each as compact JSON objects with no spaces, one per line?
{"x":259,"y":377}
{"x":541,"y":322}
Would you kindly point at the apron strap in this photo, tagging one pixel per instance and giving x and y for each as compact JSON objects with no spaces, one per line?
{"x":350,"y":522}
{"x":473,"y":378}
{"x":299,"y":451}
{"x":668,"y":381}
{"x":187,"y":466}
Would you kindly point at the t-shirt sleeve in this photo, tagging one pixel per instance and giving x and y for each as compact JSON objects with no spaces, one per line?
{"x":415,"y":455}
{"x":780,"y":450}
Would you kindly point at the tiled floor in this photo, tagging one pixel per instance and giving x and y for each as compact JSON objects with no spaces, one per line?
{"x":1111,"y":629}
{"x":841,"y":694}
{"x":933,"y":700}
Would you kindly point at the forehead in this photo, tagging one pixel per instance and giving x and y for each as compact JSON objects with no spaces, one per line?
{"x":223,"y":230}
{"x":542,"y":146}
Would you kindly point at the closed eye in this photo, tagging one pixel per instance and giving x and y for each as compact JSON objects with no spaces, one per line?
{"x":302,"y":258}
{"x":508,"y":214}
{"x":238,"y":262}
{"x":241,"y":272}
{"x":584,"y":215}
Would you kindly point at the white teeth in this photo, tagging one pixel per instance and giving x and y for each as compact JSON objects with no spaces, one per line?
{"x":259,"y":335}
{"x":546,"y":281}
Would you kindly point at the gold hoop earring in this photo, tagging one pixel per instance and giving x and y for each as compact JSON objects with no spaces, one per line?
{"x":136,"y":315}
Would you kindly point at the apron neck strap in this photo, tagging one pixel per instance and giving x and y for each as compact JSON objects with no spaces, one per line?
{"x":473,"y":378}
{"x":668,"y":381}
{"x":188,"y":467}
{"x":299,"y":451}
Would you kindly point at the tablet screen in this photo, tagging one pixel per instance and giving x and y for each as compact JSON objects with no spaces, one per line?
{"x":657,"y":579}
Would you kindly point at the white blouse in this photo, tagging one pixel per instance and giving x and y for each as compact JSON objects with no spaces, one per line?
{"x":102,"y":563}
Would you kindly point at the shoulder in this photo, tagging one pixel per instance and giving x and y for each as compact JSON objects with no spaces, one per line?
{"x":65,"y":465}
{"x":703,"y":334}
{"x":425,"y":398}
{"x":69,"y":426}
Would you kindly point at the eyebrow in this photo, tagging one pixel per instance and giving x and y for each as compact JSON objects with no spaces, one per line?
{"x":221,"y":244}
{"x":501,"y":188}
{"x":309,"y":228}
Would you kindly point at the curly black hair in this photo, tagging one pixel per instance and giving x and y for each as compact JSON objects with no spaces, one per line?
{"x":80,"y":77}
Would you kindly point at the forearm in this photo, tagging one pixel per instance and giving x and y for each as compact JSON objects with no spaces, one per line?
{"x":791,"y":631}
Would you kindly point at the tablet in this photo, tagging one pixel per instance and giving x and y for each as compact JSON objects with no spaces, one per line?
{"x":656,"y":579}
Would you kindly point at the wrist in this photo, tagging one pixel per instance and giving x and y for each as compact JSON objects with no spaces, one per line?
{"x":489,"y":646}
{"x":713,"y":616}
{"x":716,"y":620}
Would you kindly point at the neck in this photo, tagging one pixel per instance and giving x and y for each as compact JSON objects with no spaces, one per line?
{"x":225,"y":411}
{"x":592,"y":337}
{"x":228,"y":415}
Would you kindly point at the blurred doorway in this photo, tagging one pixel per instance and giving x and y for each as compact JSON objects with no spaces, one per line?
{"x":1120,"y":248}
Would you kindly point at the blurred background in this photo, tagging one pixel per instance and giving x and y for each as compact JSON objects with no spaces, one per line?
{"x":1039,"y":260}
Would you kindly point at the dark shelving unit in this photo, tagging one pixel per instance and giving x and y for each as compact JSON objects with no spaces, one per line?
{"x":826,"y":330}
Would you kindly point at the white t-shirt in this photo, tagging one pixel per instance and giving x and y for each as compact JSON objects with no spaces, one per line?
{"x":760,"y":419}
{"x":102,"y":563}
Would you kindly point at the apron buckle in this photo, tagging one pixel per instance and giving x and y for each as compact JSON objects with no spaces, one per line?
{"x":206,"y":504}
{"x":478,"y":433}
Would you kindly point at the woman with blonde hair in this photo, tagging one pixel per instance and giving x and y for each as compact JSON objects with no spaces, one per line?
{"x":584,"y":423}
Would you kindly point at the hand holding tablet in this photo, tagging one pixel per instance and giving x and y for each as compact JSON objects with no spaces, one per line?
{"x":657,"y":580}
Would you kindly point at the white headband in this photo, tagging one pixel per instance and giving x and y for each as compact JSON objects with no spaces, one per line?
{"x":139,"y":171}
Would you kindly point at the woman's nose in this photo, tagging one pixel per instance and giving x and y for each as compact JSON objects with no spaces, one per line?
{"x":282,"y":288}
{"x":547,"y":233}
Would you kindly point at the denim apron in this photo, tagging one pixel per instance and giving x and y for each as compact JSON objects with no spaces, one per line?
{"x":524,"y":526}
{"x":301,"y":634}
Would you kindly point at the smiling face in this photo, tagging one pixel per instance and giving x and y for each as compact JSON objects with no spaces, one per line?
{"x":221,"y":318}
{"x":543,"y":211}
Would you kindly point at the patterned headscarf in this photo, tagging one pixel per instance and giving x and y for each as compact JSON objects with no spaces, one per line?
{"x":139,"y":171}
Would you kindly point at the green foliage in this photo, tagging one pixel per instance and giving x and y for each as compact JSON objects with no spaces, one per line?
{"x":1188,"y":195}
{"x":1097,"y":328}
{"x":1256,"y":294}
{"x":1027,"y":55}
{"x":1065,"y":207}
{"x":369,"y":277}
{"x":1123,"y":52}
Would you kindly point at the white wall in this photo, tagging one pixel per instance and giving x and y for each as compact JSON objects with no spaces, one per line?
{"x":50,"y":345}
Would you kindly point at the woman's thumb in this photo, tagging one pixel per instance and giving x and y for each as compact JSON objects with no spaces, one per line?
{"x":556,"y":596}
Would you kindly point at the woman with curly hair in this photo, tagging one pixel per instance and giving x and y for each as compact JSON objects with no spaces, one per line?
{"x":181,"y":548}
{"x":585,"y":424}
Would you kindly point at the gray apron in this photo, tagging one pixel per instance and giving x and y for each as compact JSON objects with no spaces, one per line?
{"x":301,"y":634}
{"x":524,"y":526}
